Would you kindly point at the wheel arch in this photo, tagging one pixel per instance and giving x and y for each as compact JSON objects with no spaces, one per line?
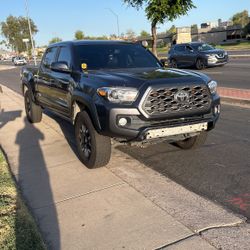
{"x":79,"y":103}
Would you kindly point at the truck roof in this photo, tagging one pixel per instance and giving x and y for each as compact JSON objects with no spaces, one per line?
{"x":90,"y":42}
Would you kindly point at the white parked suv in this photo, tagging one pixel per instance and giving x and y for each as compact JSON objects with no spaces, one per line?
{"x":20,"y":61}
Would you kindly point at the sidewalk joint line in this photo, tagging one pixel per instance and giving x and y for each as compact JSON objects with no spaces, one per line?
{"x":48,"y":167}
{"x":80,"y":195}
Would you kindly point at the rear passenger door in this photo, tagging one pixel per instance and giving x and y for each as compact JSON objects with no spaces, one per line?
{"x":189,"y":56}
{"x":179,"y":54}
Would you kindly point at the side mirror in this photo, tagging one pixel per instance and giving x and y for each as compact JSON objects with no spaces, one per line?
{"x":144,"y":44}
{"x":164,"y":62}
{"x":60,"y":67}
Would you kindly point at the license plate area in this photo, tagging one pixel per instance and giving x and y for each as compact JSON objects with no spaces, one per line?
{"x":165,"y":132}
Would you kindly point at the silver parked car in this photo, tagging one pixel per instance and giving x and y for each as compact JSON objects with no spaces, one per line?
{"x":20,"y":61}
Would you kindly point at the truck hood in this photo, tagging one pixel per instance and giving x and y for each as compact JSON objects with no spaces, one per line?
{"x":137,"y":78}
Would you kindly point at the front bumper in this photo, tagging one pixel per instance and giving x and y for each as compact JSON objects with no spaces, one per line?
{"x":20,"y":63}
{"x":137,"y":126}
{"x":214,"y":61}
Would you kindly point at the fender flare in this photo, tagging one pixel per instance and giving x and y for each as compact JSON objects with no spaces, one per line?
{"x":28,"y":82}
{"x":86,"y":101}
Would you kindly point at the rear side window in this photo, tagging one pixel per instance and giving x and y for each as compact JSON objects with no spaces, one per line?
{"x":49,"y":56}
{"x":64,"y":55}
{"x":180,"y":48}
{"x":189,"y":47}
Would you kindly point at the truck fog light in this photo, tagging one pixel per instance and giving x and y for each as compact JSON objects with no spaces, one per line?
{"x":122,"y":121}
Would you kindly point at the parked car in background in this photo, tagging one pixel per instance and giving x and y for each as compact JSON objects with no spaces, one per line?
{"x":196,"y":54}
{"x":20,"y":60}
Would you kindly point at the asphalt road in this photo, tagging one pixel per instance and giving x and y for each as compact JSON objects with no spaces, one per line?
{"x":235,"y":74}
{"x":220,"y":170}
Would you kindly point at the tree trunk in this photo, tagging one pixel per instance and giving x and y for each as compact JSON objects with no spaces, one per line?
{"x":154,"y":37}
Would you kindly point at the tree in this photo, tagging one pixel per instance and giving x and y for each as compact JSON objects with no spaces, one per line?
{"x":79,"y":35}
{"x":144,"y":33}
{"x":241,"y":18}
{"x":15,"y":29}
{"x":159,"y":11}
{"x":247,"y":28}
{"x":130,"y":34}
{"x":112,"y":36}
{"x":55,"y":40}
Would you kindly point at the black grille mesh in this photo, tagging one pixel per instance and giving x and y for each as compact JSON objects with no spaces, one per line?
{"x":162,"y":100}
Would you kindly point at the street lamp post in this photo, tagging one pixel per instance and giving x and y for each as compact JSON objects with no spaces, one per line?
{"x":31,"y":37}
{"x":26,"y":40}
{"x":117,"y":21}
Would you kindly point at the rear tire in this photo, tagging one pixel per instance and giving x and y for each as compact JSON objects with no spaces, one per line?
{"x":193,"y":142}
{"x":199,"y":64}
{"x":33,"y":111}
{"x":94,"y":149}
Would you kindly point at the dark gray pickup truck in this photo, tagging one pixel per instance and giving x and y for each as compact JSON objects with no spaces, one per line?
{"x":120,"y":90}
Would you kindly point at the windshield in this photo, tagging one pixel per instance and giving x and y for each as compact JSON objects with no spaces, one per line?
{"x":203,"y":47}
{"x":115,"y":56}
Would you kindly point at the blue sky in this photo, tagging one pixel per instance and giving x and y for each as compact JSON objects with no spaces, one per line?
{"x":62,"y":18}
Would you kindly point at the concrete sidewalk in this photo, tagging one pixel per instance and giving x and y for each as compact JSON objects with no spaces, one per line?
{"x":108,"y":208}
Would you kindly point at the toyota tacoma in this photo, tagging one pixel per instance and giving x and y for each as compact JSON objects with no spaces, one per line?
{"x":119,"y":90}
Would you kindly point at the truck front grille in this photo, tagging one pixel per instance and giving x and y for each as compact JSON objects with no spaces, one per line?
{"x":165,"y":100}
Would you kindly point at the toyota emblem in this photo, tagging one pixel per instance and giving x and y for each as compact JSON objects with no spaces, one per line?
{"x":181,"y":96}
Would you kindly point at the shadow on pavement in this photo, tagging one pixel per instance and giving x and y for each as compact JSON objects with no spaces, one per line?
{"x":8,"y":116}
{"x":34,"y":181}
{"x":67,"y":129}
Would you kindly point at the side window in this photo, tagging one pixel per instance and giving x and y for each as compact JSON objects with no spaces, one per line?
{"x":64,"y":55}
{"x":49,"y":57}
{"x":189,"y":48}
{"x":180,"y":48}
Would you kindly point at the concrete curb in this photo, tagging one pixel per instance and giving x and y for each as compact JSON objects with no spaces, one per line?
{"x":239,"y":56}
{"x":231,"y":100}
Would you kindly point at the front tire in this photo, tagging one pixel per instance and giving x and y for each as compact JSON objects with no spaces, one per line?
{"x":94,"y":149}
{"x":193,"y":142}
{"x":174,"y":64}
{"x":33,"y":111}
{"x":200,"y":64}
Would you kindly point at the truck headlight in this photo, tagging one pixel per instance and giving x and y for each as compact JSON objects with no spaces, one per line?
{"x":118,"y":95}
{"x":212,"y":86}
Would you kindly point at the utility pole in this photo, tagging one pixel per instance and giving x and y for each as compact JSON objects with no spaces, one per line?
{"x":117,"y":21}
{"x":31,"y":37}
